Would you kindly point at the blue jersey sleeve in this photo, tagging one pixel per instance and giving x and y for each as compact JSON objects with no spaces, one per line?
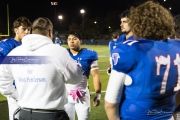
{"x":90,"y":54}
{"x":123,"y":61}
{"x":111,"y":45}
{"x":7,"y":45}
{"x":4,"y":50}
{"x":95,"y":56}
{"x":88,"y":57}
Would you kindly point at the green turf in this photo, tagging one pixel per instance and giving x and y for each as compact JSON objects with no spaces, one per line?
{"x":100,"y":49}
{"x":97,"y":113}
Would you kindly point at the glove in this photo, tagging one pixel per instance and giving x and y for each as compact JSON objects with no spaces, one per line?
{"x":109,"y":70}
{"x":96,"y":101}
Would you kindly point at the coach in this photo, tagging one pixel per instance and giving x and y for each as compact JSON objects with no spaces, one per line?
{"x":41,"y":92}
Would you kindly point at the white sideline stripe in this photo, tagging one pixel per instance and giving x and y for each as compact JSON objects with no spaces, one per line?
{"x":101,"y":61}
{"x":95,"y":92}
{"x":103,"y":56}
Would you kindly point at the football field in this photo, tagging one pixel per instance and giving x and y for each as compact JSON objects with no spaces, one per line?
{"x":97,"y":113}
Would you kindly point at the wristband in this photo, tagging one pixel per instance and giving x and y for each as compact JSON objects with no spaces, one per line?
{"x":98,"y":95}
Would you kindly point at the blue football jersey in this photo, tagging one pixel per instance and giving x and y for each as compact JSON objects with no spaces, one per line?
{"x":113,"y":44}
{"x":7,"y":45}
{"x":154,"y":68}
{"x":58,"y":41}
{"x":122,"y":38}
{"x":85,"y":58}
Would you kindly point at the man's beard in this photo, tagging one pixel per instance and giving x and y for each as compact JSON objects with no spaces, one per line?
{"x":127,"y":32}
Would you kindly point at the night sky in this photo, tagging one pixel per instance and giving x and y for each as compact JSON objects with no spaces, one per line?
{"x":70,"y":9}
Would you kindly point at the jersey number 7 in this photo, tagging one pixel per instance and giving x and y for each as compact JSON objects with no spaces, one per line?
{"x":161,"y":60}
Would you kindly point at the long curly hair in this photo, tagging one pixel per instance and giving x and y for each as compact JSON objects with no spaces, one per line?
{"x":150,"y":20}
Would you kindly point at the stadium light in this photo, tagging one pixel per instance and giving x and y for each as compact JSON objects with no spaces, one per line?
{"x":60,"y":17}
{"x":82,"y":11}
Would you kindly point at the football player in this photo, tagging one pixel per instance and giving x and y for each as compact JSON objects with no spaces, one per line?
{"x":79,"y":96}
{"x":128,"y":35}
{"x":152,"y":63}
{"x":21,"y":28}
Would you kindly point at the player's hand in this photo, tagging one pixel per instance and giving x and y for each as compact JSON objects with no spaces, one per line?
{"x":96,"y":101}
{"x":109,"y":70}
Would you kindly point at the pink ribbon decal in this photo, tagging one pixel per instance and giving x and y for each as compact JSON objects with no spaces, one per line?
{"x":76,"y":94}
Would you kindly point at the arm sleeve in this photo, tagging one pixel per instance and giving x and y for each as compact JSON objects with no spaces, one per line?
{"x":94,"y":64}
{"x":110,"y":60}
{"x":115,"y":87}
{"x":6,"y":82}
{"x":72,"y":72}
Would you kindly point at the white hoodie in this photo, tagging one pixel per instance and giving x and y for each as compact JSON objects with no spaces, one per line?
{"x":40,"y":86}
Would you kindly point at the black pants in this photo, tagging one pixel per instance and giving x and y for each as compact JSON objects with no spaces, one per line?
{"x":42,"y":115}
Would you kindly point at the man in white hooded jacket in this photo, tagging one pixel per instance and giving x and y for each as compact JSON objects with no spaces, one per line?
{"x":41,"y":91}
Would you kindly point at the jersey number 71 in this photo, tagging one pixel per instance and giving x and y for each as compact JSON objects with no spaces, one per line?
{"x":161,"y":60}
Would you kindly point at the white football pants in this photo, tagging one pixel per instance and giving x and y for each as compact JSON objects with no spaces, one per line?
{"x":80,"y":106}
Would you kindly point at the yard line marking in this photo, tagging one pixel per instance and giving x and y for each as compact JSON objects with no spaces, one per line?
{"x":101,"y":61}
{"x":95,"y":92}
